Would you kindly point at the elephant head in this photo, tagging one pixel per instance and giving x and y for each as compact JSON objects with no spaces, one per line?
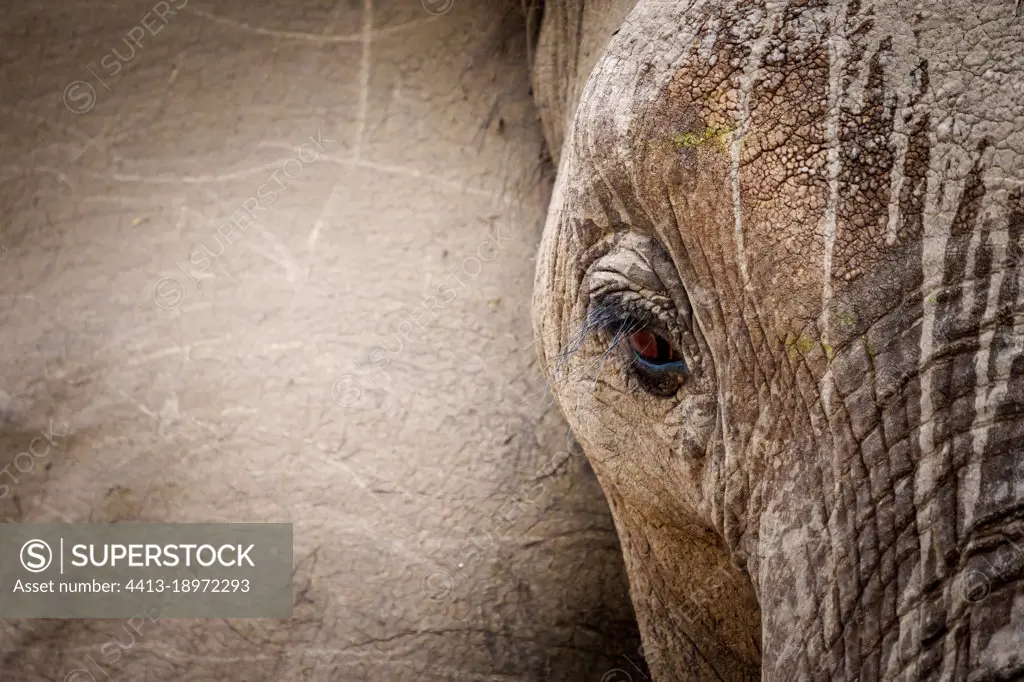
{"x":779,"y":301}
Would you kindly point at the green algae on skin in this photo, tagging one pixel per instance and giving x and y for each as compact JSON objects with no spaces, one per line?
{"x":689,"y":140}
{"x":802,"y":345}
{"x":847,"y":319}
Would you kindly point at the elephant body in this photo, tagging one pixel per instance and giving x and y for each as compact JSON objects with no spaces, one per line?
{"x":816,"y":211}
{"x":354,"y":358}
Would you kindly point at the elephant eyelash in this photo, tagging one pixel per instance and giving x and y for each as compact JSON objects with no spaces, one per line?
{"x":599,"y":319}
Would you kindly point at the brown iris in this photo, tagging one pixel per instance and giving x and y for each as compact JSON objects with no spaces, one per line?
{"x":652,"y":347}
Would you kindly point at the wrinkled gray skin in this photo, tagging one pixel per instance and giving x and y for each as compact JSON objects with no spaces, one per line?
{"x":821,"y":205}
{"x":442,"y":530}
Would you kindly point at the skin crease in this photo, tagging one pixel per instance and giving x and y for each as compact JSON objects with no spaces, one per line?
{"x":821,"y":205}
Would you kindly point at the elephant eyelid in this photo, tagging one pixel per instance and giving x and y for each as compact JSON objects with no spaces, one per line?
{"x":616,"y":320}
{"x":620,"y":320}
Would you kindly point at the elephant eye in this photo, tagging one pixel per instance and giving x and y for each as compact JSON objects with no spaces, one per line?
{"x":653,"y":361}
{"x":652,"y":348}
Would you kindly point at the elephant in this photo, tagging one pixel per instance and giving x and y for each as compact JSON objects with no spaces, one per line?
{"x":778,"y":300}
{"x":273,"y":263}
{"x":750,"y":305}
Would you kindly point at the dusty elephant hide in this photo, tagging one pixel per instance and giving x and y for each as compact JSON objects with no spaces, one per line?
{"x":779,"y":301}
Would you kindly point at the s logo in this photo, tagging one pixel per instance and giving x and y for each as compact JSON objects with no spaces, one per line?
{"x":36,"y":556}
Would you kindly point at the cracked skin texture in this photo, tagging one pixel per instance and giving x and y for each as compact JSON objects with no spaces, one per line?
{"x":221,"y":408}
{"x":840,"y":277}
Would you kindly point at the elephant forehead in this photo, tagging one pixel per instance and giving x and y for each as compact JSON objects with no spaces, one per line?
{"x":803,"y":145}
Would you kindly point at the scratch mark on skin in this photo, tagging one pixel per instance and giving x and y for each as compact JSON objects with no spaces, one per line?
{"x":364,"y":77}
{"x":317,"y":38}
{"x":413,"y":173}
{"x":20,"y":171}
{"x":358,"y":480}
{"x":135,"y":361}
{"x":369,"y":532}
{"x":897,"y":176}
{"x":172,"y":179}
{"x":376,"y":537}
{"x":393,"y":170}
{"x":328,"y":657}
{"x":56,"y":512}
{"x":737,"y":210}
{"x":837,"y":66}
{"x":899,"y":65}
{"x":320,"y":223}
{"x":285,"y":264}
{"x":97,"y":140}
{"x":138,"y":203}
{"x":750,"y":76}
{"x":169,"y":412}
{"x":283,"y":255}
{"x":174,"y":653}
{"x":141,"y":407}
